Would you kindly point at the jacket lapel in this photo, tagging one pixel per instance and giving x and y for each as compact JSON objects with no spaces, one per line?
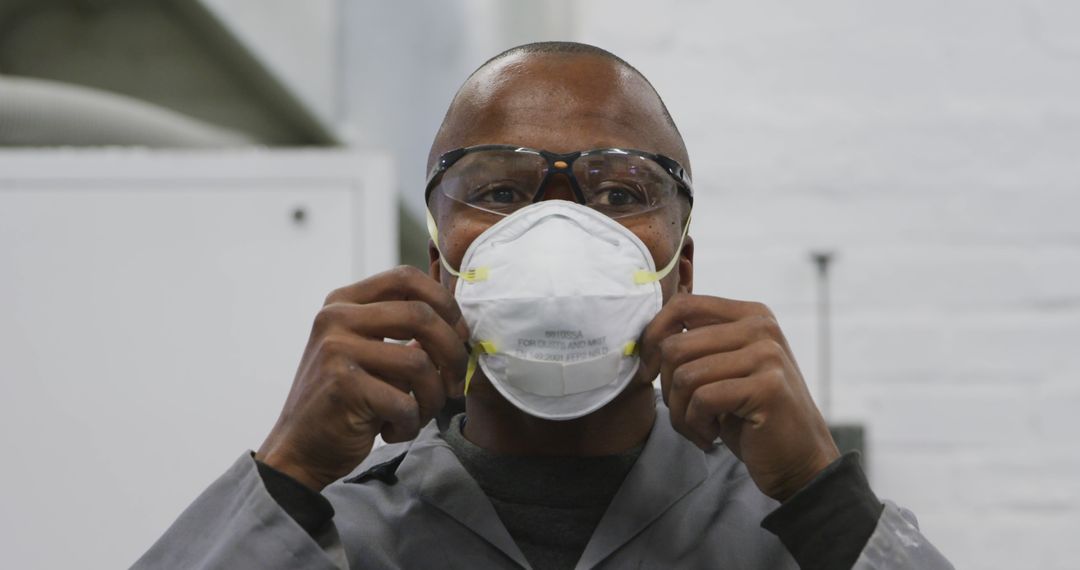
{"x":445,"y":485}
{"x":669,"y":467}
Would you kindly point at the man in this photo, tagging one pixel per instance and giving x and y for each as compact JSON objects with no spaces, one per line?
{"x":735,"y":468}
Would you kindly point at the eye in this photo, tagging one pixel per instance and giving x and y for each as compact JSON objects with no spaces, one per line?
{"x":619,"y":197}
{"x":617,"y":194}
{"x":501,"y":195}
{"x":497,"y":193}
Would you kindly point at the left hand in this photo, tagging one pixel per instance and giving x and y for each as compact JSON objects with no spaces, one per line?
{"x":731,"y":374}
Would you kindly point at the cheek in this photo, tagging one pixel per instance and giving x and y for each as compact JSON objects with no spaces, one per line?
{"x":456,"y":233}
{"x":661,"y":235}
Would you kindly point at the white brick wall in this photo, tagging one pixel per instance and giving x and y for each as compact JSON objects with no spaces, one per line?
{"x":935,"y":146}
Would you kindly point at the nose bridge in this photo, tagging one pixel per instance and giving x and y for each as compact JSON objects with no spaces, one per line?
{"x":560,"y":183}
{"x":557,"y":186}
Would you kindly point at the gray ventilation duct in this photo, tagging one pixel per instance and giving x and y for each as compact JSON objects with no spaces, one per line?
{"x":35,"y":112}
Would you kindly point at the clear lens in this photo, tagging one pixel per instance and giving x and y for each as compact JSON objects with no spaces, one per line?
{"x":613,"y":182}
{"x":500,"y":181}
{"x":622,"y":184}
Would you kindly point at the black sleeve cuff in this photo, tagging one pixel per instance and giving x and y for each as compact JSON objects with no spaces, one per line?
{"x":309,"y":509}
{"x":826,"y":523}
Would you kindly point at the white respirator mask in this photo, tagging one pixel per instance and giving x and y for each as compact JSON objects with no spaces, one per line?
{"x":555,"y":296}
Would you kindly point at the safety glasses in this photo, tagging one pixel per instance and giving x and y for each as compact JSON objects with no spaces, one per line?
{"x":502,"y":179}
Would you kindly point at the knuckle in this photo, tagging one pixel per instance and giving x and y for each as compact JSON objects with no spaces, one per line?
{"x":768,"y":325}
{"x":417,"y":362}
{"x":774,"y":382}
{"x":760,"y":309}
{"x":404,"y":273}
{"x":768,"y":351}
{"x":393,"y":407}
{"x":326,"y":317}
{"x":669,"y":349}
{"x":405,"y":408}
{"x":678,"y":421}
{"x":696,"y":404}
{"x":683,"y":379}
{"x":330,"y":347}
{"x":335,"y":296}
{"x":421,"y":312}
{"x":680,"y":300}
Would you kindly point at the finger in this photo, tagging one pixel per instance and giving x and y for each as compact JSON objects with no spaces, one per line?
{"x":664,"y":325}
{"x":399,"y":364}
{"x":452,"y":384}
{"x":409,"y":369}
{"x":402,"y":320}
{"x":399,"y":413}
{"x":685,"y":311}
{"x":688,"y":378}
{"x":744,"y":398}
{"x":404,"y":283}
{"x":679,"y":349}
{"x":685,"y":314}
{"x":688,"y":311}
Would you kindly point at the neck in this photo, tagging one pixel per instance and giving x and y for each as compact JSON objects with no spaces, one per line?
{"x":497,"y":426}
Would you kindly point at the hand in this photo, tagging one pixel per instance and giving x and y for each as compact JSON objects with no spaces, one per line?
{"x":352,"y":385}
{"x":731,"y":374}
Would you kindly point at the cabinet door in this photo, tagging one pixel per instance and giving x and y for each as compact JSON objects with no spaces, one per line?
{"x":149,"y":332}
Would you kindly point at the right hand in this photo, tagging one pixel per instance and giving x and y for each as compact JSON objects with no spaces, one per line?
{"x":353,"y":385}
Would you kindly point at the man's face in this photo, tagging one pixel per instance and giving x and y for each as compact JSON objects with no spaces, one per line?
{"x":562,"y":103}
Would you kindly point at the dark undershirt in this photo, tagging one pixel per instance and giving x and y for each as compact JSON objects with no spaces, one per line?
{"x":824,"y":526}
{"x":550,"y":505}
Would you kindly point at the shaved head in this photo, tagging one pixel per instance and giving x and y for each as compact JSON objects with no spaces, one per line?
{"x":559,"y":96}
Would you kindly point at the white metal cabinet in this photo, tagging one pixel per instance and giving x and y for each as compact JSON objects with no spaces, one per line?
{"x":153,"y":308}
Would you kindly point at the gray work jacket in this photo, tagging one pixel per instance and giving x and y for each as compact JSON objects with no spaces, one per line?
{"x":677,"y":508}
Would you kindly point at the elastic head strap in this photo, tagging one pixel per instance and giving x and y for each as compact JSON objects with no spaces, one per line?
{"x":433,"y":231}
{"x":644,"y":276}
{"x":470,"y":275}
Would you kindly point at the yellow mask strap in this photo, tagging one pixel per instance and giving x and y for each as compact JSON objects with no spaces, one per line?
{"x":644,"y":276}
{"x":470,"y":275}
{"x":481,"y":347}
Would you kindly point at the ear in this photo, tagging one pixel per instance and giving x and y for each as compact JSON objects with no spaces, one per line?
{"x":686,"y":266}
{"x":434,"y":268}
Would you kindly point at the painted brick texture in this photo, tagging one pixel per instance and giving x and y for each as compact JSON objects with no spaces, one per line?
{"x":935,"y":147}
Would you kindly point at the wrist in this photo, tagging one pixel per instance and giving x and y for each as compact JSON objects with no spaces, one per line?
{"x":284,"y":463}
{"x":804,"y":475}
{"x":827,"y":523}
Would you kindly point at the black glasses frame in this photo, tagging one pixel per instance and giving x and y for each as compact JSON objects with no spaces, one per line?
{"x":670,"y":165}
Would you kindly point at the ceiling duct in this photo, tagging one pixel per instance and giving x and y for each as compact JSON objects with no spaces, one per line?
{"x":35,"y":112}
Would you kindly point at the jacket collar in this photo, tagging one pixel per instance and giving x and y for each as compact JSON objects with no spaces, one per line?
{"x":669,"y":467}
{"x":443,"y":483}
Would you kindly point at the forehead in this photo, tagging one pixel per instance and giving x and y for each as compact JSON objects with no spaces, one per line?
{"x":558,"y":102}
